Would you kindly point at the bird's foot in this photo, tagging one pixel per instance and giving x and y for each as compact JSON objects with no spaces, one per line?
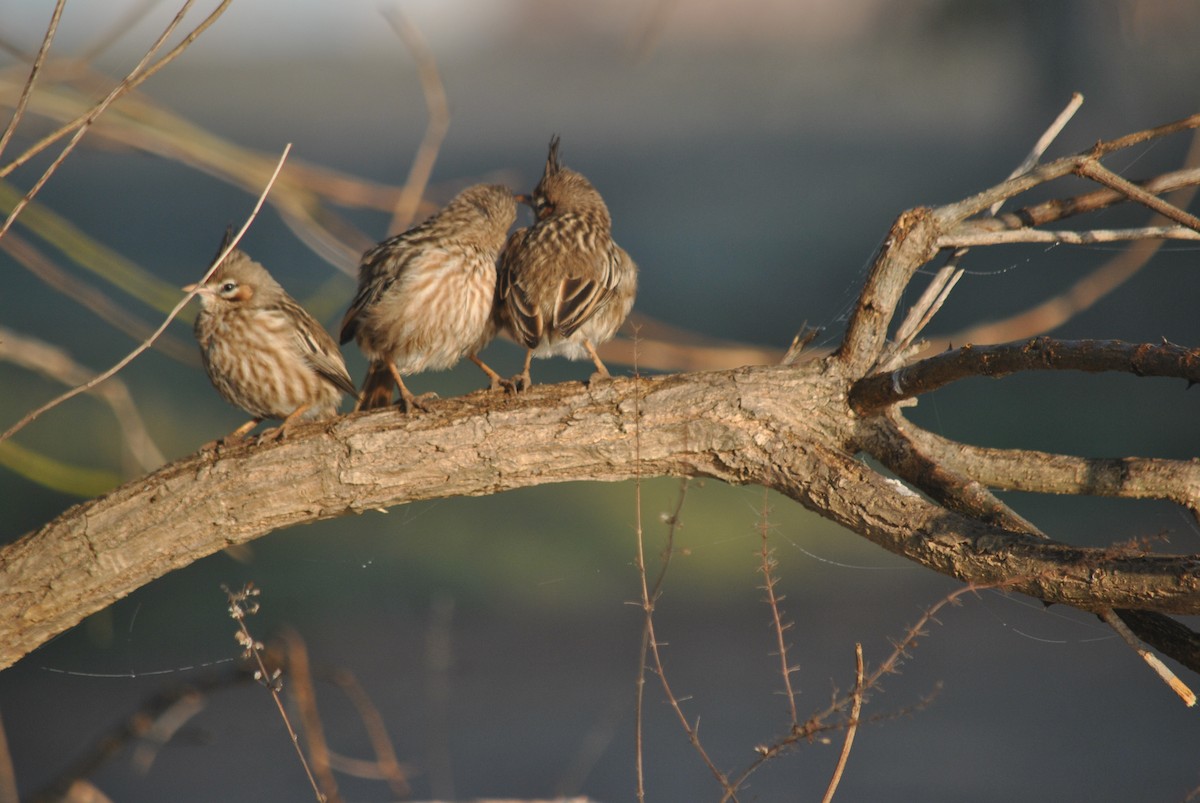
{"x":410,"y":403}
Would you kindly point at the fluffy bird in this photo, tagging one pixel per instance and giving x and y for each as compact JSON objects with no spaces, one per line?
{"x":426,"y":297}
{"x":262,"y":351}
{"x":565,"y":286}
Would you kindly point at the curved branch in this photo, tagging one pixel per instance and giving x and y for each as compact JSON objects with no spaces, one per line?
{"x":783,"y":427}
{"x":950,"y":486}
{"x":1030,"y":470}
{"x":1039,"y":354}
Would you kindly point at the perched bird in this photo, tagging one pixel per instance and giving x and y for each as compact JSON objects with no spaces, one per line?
{"x":263,"y":351}
{"x":425,"y":297}
{"x":565,"y":286}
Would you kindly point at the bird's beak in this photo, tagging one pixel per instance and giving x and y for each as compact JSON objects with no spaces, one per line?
{"x":190,"y":288}
{"x":522,"y":198}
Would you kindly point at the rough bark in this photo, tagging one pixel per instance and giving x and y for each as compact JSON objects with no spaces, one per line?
{"x":788,"y":428}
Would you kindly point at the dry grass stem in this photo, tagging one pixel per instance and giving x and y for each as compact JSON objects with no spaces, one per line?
{"x":94,"y":299}
{"x":386,"y":764}
{"x":435,"y":131}
{"x":35,"y":68}
{"x":138,"y":75}
{"x":304,"y":695}
{"x":50,"y":361}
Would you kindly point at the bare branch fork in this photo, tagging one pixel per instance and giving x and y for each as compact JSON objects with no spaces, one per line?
{"x":792,"y":428}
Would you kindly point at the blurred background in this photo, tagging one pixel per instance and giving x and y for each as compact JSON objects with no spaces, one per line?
{"x":753,"y":156}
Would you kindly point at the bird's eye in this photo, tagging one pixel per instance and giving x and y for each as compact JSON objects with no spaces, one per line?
{"x":542,"y":206}
{"x":228,"y":288}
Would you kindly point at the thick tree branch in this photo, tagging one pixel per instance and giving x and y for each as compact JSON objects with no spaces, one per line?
{"x":781,"y":427}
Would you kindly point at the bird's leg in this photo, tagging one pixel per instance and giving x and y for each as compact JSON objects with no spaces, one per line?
{"x":409,"y":402}
{"x":522,"y":381}
{"x":239,"y":433}
{"x":278,"y":433}
{"x":601,"y":370}
{"x":498,"y":381}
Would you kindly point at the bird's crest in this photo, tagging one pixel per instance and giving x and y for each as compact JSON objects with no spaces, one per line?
{"x":552,"y":165}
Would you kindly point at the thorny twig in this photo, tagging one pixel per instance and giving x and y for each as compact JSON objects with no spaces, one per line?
{"x":819,"y":722}
{"x":435,"y":130}
{"x":767,"y":556}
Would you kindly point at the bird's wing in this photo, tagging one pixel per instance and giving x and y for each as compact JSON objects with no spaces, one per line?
{"x":588,"y":286}
{"x":317,"y":348}
{"x":381,"y":267}
{"x":524,"y":317}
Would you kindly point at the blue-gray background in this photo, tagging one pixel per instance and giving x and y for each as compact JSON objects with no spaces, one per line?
{"x":753,"y":158}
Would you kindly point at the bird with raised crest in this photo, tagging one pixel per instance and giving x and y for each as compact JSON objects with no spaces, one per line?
{"x":262,"y":351}
{"x":565,"y":286}
{"x":426,"y":297}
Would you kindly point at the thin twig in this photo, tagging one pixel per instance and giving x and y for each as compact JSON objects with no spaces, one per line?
{"x":27,"y":89}
{"x":1039,"y":354}
{"x":935,"y":295}
{"x":649,"y":639}
{"x":435,"y":130}
{"x":767,"y":556}
{"x":1053,"y":312}
{"x":673,"y":524}
{"x":851,"y":727}
{"x":135,"y":77}
{"x":146,"y":344}
{"x":1162,"y":670}
{"x":131,"y":82}
{"x":1101,"y":174}
{"x":818,"y":722}
{"x":647,"y":599}
{"x":964,"y":236}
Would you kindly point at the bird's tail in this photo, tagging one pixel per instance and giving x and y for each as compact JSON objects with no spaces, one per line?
{"x":377,"y":387}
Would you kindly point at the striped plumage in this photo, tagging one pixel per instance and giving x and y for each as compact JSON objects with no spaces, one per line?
{"x":425,"y":297}
{"x":263,"y":351}
{"x":565,"y":286}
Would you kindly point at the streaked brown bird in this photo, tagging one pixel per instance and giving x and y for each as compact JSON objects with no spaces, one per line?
{"x":565,"y":286}
{"x":263,"y":351}
{"x":425,"y":297}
